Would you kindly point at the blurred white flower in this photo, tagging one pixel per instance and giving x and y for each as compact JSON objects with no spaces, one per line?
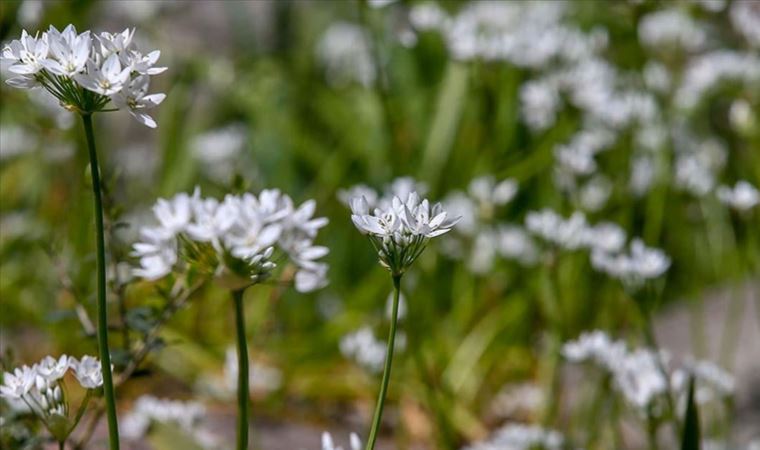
{"x":328,"y":444}
{"x":745,"y":17}
{"x":513,"y":242}
{"x":671,"y":27}
{"x":520,"y":437}
{"x":708,"y":70}
{"x":217,"y":150}
{"x":540,"y":101}
{"x":488,"y":193}
{"x":344,"y":51}
{"x":641,"y":264}
{"x":712,"y":382}
{"x":369,"y":352}
{"x":380,"y":3}
{"x":262,"y":378}
{"x":568,"y":233}
{"x":595,"y":192}
{"x":187,"y":415}
{"x":428,"y":16}
{"x":18,"y":383}
{"x":743,"y":196}
{"x":639,"y":378}
{"x":596,"y":347}
{"x":518,"y":399}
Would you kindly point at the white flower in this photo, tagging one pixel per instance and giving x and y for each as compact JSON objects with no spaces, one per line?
{"x":174,"y":214}
{"x":107,"y":79}
{"x":596,"y":347}
{"x":52,"y":369}
{"x":26,"y":54}
{"x":605,"y":236}
{"x":745,"y":17}
{"x":344,"y":51}
{"x":69,"y":51}
{"x":743,"y":196}
{"x":568,"y":233}
{"x":262,"y":378}
{"x":18,"y":383}
{"x":401,"y":231}
{"x":641,"y":264}
{"x":327,"y":442}
{"x":243,"y":233}
{"x":639,"y":377}
{"x":671,"y":26}
{"x":149,"y":409}
{"x":67,"y":62}
{"x":157,"y":253}
{"x":486,"y":191}
{"x":134,"y":97}
{"x":520,"y":437}
{"x":88,"y":372}
{"x":513,"y":242}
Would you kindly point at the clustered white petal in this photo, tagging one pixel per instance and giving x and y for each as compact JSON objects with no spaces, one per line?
{"x":742,"y":197}
{"x":642,"y":376}
{"x":241,"y":230}
{"x":328,"y":444}
{"x":369,"y":352}
{"x":188,"y":416}
{"x":641,"y":264}
{"x":86,"y":71}
{"x":401,"y":231}
{"x":41,"y":388}
{"x":520,"y":437}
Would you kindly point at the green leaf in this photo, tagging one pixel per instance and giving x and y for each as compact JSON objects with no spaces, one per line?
{"x":691,"y":437}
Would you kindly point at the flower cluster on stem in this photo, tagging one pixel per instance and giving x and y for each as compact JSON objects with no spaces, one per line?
{"x":86,"y":72}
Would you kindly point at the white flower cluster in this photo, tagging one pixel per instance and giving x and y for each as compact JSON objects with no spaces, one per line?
{"x":742,"y":197}
{"x":25,"y":380}
{"x":575,"y":232}
{"x":328,"y":444}
{"x":641,"y":264}
{"x":401,"y":231}
{"x":188,"y":416}
{"x":86,"y":71}
{"x":42,"y":390}
{"x":241,"y":232}
{"x":478,"y":238}
{"x":520,"y":437}
{"x":671,"y":27}
{"x":526,"y":34}
{"x":369,"y":352}
{"x":641,"y":375}
{"x":708,"y":70}
{"x":344,"y":51}
{"x":262,"y":378}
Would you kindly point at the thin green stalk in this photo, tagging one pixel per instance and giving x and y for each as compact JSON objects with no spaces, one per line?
{"x":61,"y":445}
{"x":242,"y":391}
{"x":652,"y":426}
{"x":105,"y":356}
{"x":387,"y":369}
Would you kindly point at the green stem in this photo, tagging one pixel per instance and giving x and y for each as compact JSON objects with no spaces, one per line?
{"x":652,"y":426}
{"x":242,"y":391}
{"x":105,"y":357}
{"x":387,"y":369}
{"x":61,"y":445}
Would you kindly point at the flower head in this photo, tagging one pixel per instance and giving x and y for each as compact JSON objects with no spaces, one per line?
{"x":87,"y":371}
{"x":86,"y":72}
{"x":401,"y":231}
{"x":238,"y":238}
{"x":328,"y":444}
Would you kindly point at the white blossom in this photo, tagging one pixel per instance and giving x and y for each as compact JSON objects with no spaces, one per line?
{"x":520,"y":437}
{"x":87,"y":371}
{"x":328,"y":444}
{"x":66,"y":63}
{"x":641,"y":264}
{"x":401,"y":232}
{"x":743,"y":196}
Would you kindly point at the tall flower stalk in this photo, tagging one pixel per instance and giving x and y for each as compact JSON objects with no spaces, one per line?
{"x":90,"y":73}
{"x":399,"y":231}
{"x":102,"y":310}
{"x":242,"y":385}
{"x":236,"y":242}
